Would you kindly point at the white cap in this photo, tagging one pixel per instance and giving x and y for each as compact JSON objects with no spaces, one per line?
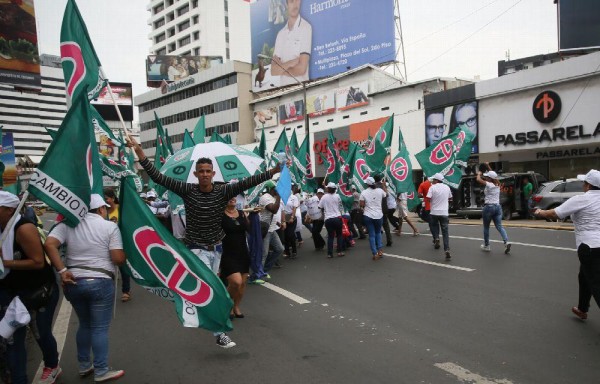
{"x":143,"y":195}
{"x":592,"y":178}
{"x":331,"y":185}
{"x":491,"y":175}
{"x":7,"y":199}
{"x":438,"y":177}
{"x":370,"y":181}
{"x":97,"y":201}
{"x":320,"y":190}
{"x":151,"y":194}
{"x":16,"y":317}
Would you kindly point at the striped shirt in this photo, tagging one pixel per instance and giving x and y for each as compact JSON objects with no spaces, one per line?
{"x":204,"y":210}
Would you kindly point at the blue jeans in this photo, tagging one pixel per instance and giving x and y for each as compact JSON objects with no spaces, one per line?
{"x":269,"y":258}
{"x":440,"y":221}
{"x":17,"y":352}
{"x":125,"y":280}
{"x":374,"y":228}
{"x":93,"y":301}
{"x":334,"y":228}
{"x":493,"y":212}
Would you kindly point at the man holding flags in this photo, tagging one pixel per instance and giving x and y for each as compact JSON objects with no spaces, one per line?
{"x":204,"y":205}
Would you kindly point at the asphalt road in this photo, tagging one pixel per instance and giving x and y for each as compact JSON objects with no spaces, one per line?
{"x":410,"y":317}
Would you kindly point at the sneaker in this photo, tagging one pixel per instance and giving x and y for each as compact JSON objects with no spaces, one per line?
{"x":436,"y":244}
{"x":110,"y":375}
{"x":448,"y":257}
{"x":330,"y":256}
{"x":485,"y":248}
{"x":256,"y":281}
{"x":579,"y":313}
{"x":506,"y":248}
{"x":225,"y":341}
{"x":85,"y":372}
{"x":49,"y":375}
{"x":266,"y":277}
{"x":277,"y":265}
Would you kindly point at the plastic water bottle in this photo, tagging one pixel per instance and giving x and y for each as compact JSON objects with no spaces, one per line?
{"x":281,"y":156}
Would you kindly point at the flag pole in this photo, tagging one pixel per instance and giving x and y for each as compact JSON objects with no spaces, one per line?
{"x":112,"y":96}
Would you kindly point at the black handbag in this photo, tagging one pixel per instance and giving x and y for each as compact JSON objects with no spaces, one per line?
{"x":35,"y":299}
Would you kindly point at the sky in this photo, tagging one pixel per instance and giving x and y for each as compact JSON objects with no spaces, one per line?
{"x":449,"y":38}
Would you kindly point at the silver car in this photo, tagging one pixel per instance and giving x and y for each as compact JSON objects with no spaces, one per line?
{"x":553,"y":193}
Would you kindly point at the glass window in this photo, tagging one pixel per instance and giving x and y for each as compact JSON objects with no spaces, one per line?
{"x":574,"y":186}
{"x":183,"y":26}
{"x":183,"y":10}
{"x":559,"y":188}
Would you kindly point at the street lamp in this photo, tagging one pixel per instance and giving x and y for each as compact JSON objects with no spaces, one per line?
{"x":306,"y":128}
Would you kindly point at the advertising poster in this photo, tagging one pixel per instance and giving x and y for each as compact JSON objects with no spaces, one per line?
{"x":319,"y":105}
{"x":292,"y":111}
{"x":266,"y":118}
{"x":8,"y":159}
{"x":173,"y":68}
{"x":352,"y":96}
{"x":19,"y":58}
{"x":122,"y":94}
{"x":441,"y":122}
{"x":578,"y":24}
{"x":312,"y":39}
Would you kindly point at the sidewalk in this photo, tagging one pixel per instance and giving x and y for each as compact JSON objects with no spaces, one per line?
{"x":519,"y":223}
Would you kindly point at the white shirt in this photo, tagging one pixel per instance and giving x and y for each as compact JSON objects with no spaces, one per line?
{"x":276,"y":220}
{"x":585,"y":213}
{"x":88,"y":244}
{"x":172,"y":72}
{"x":331,"y":202}
{"x":314,"y":212}
{"x":391,"y":201}
{"x":240,"y":202}
{"x":292,"y":203}
{"x":492,"y":193}
{"x":439,"y":193}
{"x":290,"y":44}
{"x":372,"y":198}
{"x":266,"y":215}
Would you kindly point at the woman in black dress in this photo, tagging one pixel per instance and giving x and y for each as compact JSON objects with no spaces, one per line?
{"x":235,"y":260}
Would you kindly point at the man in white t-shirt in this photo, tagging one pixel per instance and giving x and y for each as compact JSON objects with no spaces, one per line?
{"x":371,"y":200}
{"x":315,"y":216}
{"x":439,"y":195}
{"x":585,"y":213}
{"x":293,"y":45}
{"x":292,"y":205}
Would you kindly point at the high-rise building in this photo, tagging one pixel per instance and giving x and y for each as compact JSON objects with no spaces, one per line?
{"x":25,"y":114}
{"x":200,"y":28}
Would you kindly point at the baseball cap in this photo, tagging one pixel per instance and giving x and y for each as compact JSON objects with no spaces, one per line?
{"x":7,"y":199}
{"x":592,"y":178}
{"x":320,"y":190}
{"x":151,"y":194}
{"x":16,"y":317}
{"x":97,"y":201}
{"x":143,"y":195}
{"x":370,"y":181}
{"x":438,"y":177}
{"x":491,"y":175}
{"x":331,"y":185}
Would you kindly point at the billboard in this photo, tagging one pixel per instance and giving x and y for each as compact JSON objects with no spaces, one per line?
{"x":173,"y":68}
{"x":123,"y":96}
{"x":352,"y":96}
{"x":578,"y":24}
{"x":19,"y":58}
{"x":266,"y":118}
{"x":322,"y":104}
{"x":309,"y":39}
{"x":292,"y":111}
{"x":8,"y":159}
{"x":440,"y":122}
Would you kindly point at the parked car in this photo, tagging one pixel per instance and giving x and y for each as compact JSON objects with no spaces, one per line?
{"x":553,"y":193}
{"x":469,"y":197}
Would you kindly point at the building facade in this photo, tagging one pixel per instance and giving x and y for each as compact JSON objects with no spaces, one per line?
{"x":220,"y":93}
{"x":26,"y":115}
{"x":200,"y":28}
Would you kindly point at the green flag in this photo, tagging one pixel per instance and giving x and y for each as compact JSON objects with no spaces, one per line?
{"x":51,"y":132}
{"x":160,"y":134}
{"x":81,"y":66}
{"x":262,"y":147}
{"x":282,"y":145}
{"x":345,"y":183}
{"x":188,"y":141}
{"x":302,"y":165}
{"x":200,"y":131}
{"x":445,"y":155}
{"x":118,"y":172}
{"x":164,"y":266}
{"x":168,"y":141}
{"x":379,"y":147}
{"x":293,"y":143}
{"x":332,"y":157}
{"x":159,"y":159}
{"x":101,"y":127}
{"x":400,"y":174}
{"x":228,"y":138}
{"x":216,"y":138}
{"x":66,"y":177}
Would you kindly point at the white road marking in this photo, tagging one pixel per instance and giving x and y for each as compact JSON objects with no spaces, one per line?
{"x":60,"y":329}
{"x":443,"y":265}
{"x":466,"y":376}
{"x":512,"y":242}
{"x":288,"y":294}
